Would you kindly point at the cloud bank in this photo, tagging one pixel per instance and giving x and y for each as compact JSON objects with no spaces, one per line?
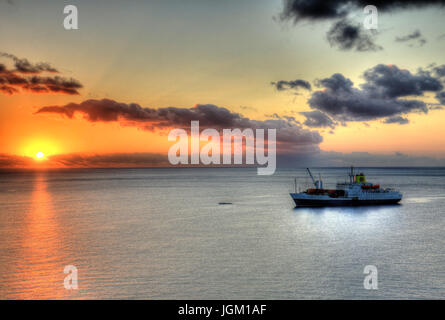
{"x":86,"y":160}
{"x":388,"y":93}
{"x":155,"y":160}
{"x":291,"y":136}
{"x":26,"y":76}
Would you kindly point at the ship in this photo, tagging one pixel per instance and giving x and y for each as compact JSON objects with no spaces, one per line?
{"x":356,"y":192}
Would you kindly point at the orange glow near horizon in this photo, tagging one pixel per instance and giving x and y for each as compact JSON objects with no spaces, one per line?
{"x":40,"y":149}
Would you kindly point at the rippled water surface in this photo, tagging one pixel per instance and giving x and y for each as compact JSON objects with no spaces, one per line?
{"x":162,"y":234}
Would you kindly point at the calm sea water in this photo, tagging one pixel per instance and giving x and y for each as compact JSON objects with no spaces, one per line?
{"x":161,"y":234}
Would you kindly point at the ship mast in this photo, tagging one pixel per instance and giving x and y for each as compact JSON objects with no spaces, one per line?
{"x":351,"y":175}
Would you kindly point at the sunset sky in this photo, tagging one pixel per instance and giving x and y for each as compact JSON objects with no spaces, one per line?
{"x":101,"y":95}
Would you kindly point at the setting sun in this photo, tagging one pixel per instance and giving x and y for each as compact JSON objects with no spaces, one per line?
{"x":39,"y":148}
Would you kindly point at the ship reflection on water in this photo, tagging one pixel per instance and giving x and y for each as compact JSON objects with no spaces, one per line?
{"x":347,"y":210}
{"x":338,"y":222}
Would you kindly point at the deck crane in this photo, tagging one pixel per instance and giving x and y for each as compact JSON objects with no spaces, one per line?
{"x":318,"y":183}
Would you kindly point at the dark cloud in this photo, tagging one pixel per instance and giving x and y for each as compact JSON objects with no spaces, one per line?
{"x":357,"y":105}
{"x":346,"y":35}
{"x":377,"y":98}
{"x":441,"y":97}
{"x":8,"y":89}
{"x":291,"y":136}
{"x":53,"y":84}
{"x":335,"y":83}
{"x":439,"y":71}
{"x":24,"y":66}
{"x":293,"y":84}
{"x":29,"y":77}
{"x":396,"y":119}
{"x":317,"y":119}
{"x":392,"y":82}
{"x":13,"y":161}
{"x":421,"y":42}
{"x":107,"y":110}
{"x":416,"y":35}
{"x":313,"y":10}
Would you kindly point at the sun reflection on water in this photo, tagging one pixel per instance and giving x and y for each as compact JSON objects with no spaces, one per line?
{"x":40,"y":266}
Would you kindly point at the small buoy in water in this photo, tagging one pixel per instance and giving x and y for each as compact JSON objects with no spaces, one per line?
{"x":222,"y":203}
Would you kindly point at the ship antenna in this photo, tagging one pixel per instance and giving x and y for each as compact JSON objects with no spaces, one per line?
{"x":351,"y":175}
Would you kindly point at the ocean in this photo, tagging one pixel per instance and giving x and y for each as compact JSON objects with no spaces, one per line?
{"x":216,"y":233}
